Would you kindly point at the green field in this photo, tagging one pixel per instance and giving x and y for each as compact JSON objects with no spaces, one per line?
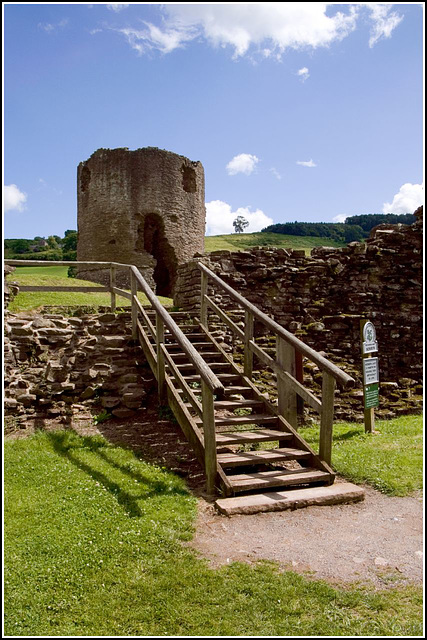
{"x":57,"y":276}
{"x":93,"y":546}
{"x":243,"y":241}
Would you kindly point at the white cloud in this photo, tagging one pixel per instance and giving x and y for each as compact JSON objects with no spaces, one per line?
{"x":219,"y":218}
{"x":243,"y":163}
{"x":14,"y":199}
{"x":152,"y":37}
{"x":384,"y":22}
{"x":308,"y":163}
{"x":49,"y":28}
{"x":339,"y":218}
{"x":409,"y":198}
{"x":303,"y":73}
{"x":275,"y":173}
{"x":117,"y":6}
{"x":269,"y":27}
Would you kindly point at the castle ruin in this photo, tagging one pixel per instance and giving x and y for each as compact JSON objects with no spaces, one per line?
{"x":144,"y":207}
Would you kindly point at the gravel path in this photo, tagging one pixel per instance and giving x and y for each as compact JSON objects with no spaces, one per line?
{"x":376,"y":541}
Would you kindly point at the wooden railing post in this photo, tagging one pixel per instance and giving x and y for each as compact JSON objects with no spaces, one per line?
{"x":327,"y":417}
{"x":160,"y":338}
{"x":203,"y":303}
{"x":112,"y":285}
{"x":209,"y":437}
{"x":134,"y":291}
{"x":287,"y":398}
{"x":248,"y":353}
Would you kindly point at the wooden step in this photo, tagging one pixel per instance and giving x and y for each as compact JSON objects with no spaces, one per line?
{"x":212,"y":365}
{"x":249,"y":437}
{"x":260,"y":457}
{"x":224,"y":377}
{"x":277,"y":478}
{"x":206,"y":355}
{"x":232,"y":405}
{"x":338,"y":493}
{"x":237,"y":420}
{"x":229,"y":391}
{"x":197,"y":345}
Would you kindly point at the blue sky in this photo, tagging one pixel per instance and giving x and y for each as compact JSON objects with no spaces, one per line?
{"x":298,"y":111}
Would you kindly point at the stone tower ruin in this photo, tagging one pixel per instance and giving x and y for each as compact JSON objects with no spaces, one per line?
{"x":143,"y":207}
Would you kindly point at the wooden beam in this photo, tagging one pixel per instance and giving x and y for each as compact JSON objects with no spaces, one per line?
{"x":327,"y":417}
{"x":209,"y":437}
{"x":248,"y":353}
{"x":228,"y":321}
{"x":182,"y":383}
{"x":99,"y":289}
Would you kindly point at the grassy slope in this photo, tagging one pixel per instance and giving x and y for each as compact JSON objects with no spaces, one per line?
{"x":242,"y":241}
{"x":57,"y":276}
{"x":93,"y":546}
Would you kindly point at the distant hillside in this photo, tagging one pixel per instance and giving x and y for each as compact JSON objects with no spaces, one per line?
{"x":242,"y":241}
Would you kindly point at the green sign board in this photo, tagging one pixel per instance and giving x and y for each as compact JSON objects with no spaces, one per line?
{"x":371,"y":396}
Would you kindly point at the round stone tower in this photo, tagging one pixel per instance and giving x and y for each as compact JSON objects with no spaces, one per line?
{"x":143,"y":207}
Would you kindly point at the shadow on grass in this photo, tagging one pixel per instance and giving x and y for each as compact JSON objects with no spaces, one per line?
{"x":352,"y":433}
{"x":69,"y":446}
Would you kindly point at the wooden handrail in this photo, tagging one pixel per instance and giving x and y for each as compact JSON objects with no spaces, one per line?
{"x":195,"y":358}
{"x":340,"y":376}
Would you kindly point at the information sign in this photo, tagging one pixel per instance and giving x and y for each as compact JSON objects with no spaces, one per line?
{"x":371,"y":373}
{"x":372,"y":396}
{"x":370,"y":344}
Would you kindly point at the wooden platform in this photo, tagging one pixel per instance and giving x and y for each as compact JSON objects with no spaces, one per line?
{"x":337,"y":493}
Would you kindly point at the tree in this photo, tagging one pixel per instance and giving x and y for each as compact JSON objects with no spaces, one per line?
{"x":52,"y":242}
{"x":69,"y":242}
{"x":240,"y":224}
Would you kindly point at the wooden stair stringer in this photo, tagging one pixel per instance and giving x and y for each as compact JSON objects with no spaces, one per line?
{"x":193,"y":434}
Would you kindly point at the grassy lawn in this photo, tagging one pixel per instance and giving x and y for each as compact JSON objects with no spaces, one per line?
{"x":57,"y":276}
{"x":93,"y":546}
{"x":390,"y":460}
{"x":242,"y":241}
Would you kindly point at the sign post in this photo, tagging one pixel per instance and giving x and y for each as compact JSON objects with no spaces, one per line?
{"x":370,"y":373}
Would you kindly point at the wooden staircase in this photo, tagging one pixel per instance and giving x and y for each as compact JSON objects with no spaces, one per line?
{"x":256,"y":448}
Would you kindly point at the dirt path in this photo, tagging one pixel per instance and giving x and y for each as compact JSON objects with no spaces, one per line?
{"x":378,"y":541}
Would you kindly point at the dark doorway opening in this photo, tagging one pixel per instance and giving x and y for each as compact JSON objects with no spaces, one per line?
{"x":156,"y":243}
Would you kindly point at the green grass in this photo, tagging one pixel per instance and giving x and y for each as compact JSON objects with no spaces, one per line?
{"x":242,"y":241}
{"x":93,"y":546}
{"x":57,"y":276}
{"x":390,"y":460}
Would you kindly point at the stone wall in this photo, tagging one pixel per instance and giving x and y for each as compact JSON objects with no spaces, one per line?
{"x":57,"y":367}
{"x":322,"y":297}
{"x":143,"y":207}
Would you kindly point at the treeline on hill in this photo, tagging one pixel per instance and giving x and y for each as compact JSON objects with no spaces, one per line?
{"x":354,"y":228}
{"x":51,"y":248}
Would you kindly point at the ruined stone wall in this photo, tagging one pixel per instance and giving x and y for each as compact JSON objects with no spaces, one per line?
{"x":57,"y":367}
{"x":143,"y":207}
{"x":322,"y":297}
